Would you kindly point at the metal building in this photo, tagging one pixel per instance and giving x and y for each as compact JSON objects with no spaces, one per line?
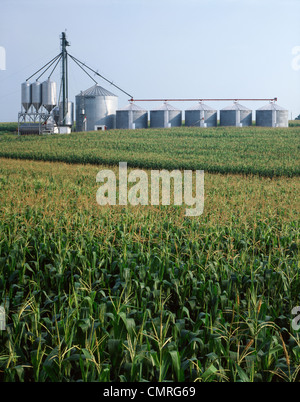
{"x":165,"y":116}
{"x":236,"y":115}
{"x":201,"y":115}
{"x":132,"y":116}
{"x":272,"y":115}
{"x":96,"y":109}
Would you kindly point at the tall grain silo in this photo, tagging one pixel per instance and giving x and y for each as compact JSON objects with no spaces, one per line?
{"x":201,"y":115}
{"x":272,"y":115}
{"x":95,"y":107}
{"x":165,"y":116}
{"x":236,"y":115}
{"x":36,"y":94}
{"x":131,"y":116}
{"x":26,"y":95}
{"x":68,"y":119}
{"x":49,"y":95}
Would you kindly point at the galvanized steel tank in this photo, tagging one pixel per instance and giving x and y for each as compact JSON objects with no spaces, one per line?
{"x":55,"y":114}
{"x":69,"y":116}
{"x":272,"y":115}
{"x":132,"y":116}
{"x":26,"y":95}
{"x":49,"y":95}
{"x":36,"y":95}
{"x":201,"y":115}
{"x":99,"y":106}
{"x":236,"y":115}
{"x":165,"y":116}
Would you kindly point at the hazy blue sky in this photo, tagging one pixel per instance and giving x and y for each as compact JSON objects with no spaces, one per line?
{"x":158,"y":48}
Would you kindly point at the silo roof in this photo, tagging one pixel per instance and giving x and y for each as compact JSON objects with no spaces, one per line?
{"x":271,"y":106}
{"x":235,"y":106}
{"x":201,"y":106}
{"x":96,"y":90}
{"x":165,"y":106}
{"x":132,"y":106}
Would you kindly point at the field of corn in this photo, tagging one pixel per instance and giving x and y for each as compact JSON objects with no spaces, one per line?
{"x":250,"y":150}
{"x":144,"y":293}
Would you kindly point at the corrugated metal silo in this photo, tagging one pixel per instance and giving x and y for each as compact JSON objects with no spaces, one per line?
{"x":49,"y":94}
{"x":165,"y":116}
{"x":26,"y":95}
{"x":95,"y":106}
{"x":132,"y":116}
{"x":201,"y":115}
{"x":272,"y":115}
{"x":36,"y":94}
{"x":236,"y":115}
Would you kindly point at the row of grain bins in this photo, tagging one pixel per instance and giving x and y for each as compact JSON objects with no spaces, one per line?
{"x":97,"y":109}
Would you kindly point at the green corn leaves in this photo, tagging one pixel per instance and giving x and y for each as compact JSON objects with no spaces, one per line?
{"x":145,"y":294}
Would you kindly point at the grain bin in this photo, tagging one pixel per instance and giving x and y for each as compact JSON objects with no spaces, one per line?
{"x":201,"y":115}
{"x":26,"y":95}
{"x":68,"y":119}
{"x":132,"y":116}
{"x":55,"y":114}
{"x":95,"y":106}
{"x":49,"y":95}
{"x":272,"y":115}
{"x":236,"y":115}
{"x":165,"y":116}
{"x":36,"y":95}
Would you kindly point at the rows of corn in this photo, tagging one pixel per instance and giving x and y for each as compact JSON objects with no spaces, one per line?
{"x":267,"y":152}
{"x":144,"y":293}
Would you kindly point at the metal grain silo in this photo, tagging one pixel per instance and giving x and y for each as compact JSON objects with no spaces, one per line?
{"x":165,"y":116}
{"x":236,"y":115}
{"x":55,"y":113}
{"x":132,"y":116}
{"x":26,"y":95}
{"x":49,"y":95}
{"x":96,"y":106}
{"x":201,"y":115}
{"x":68,"y":120}
{"x":272,"y":115}
{"x":36,"y":94}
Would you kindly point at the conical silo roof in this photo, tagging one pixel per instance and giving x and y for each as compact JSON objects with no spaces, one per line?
{"x":166,"y":106}
{"x":201,"y":106}
{"x":96,"y":90}
{"x":271,"y":106}
{"x":235,"y":106}
{"x":132,"y":106}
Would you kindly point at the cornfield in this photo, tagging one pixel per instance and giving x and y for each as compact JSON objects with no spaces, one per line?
{"x":267,"y":152}
{"x":144,"y":293}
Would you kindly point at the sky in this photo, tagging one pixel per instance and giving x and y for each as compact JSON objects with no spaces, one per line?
{"x":161,"y":49}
